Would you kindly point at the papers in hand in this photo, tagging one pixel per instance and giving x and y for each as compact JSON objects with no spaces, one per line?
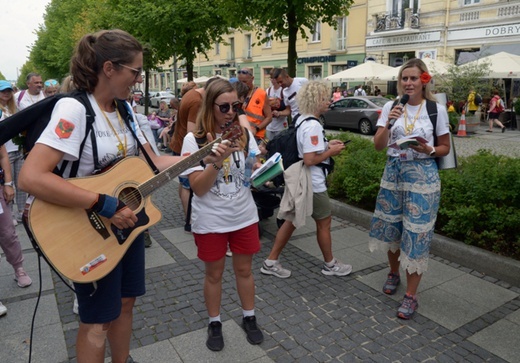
{"x":405,"y":142}
{"x":269,"y":170}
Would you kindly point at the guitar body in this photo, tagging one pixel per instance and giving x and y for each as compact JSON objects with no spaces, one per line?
{"x":71,"y":238}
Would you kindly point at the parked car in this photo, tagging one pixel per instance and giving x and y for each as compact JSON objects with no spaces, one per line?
{"x":157,"y":97}
{"x":358,"y":113}
{"x":143,"y":99}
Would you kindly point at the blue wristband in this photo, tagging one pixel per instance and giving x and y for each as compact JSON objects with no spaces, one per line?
{"x":106,"y":206}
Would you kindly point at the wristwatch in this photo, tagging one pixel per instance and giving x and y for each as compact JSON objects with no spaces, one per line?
{"x":9,"y":184}
{"x":432,"y":153}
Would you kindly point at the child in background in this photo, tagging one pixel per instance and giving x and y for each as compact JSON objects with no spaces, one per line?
{"x":50,"y":87}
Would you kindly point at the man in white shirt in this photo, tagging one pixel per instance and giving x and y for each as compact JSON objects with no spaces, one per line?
{"x":291,"y":88}
{"x":360,"y":91}
{"x":275,"y":97}
{"x":32,"y":94}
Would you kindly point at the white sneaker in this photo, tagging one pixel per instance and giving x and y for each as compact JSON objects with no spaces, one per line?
{"x":15,"y":222}
{"x":339,"y":269}
{"x":3,"y":309}
{"x":275,"y":270}
{"x":75,"y":306}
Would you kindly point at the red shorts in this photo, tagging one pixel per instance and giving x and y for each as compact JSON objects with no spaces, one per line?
{"x":213,"y":246}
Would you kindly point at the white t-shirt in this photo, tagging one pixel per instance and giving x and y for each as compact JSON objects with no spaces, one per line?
{"x":311,"y":138}
{"x":278,"y":123}
{"x":9,"y":145}
{"x":360,"y":92}
{"x":28,"y":99}
{"x":68,"y":119}
{"x":423,"y":126}
{"x":289,"y":94}
{"x":225,"y":207}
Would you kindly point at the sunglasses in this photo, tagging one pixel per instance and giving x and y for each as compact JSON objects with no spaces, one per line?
{"x":136,"y":71}
{"x":225,"y":107}
{"x":245,"y":72}
{"x":50,"y":83}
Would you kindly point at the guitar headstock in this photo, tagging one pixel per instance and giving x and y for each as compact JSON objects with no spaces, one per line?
{"x":232,"y":132}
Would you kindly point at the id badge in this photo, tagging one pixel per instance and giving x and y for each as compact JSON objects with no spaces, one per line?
{"x":406,"y":155}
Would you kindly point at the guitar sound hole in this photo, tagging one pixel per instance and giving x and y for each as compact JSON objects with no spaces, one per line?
{"x":131,"y":197}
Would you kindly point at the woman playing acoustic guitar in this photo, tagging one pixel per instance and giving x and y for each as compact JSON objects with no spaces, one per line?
{"x":106,"y":65}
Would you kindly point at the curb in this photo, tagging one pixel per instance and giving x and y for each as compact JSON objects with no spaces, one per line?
{"x":485,"y":262}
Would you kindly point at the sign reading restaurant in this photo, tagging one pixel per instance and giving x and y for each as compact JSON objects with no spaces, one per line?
{"x":425,"y":37}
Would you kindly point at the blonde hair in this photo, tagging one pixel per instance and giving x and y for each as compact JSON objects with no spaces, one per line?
{"x":427,"y":88}
{"x":311,"y":96}
{"x":11,"y":104}
{"x":67,"y":85}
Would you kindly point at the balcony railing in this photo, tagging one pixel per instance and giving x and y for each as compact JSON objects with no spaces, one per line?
{"x":395,"y":21}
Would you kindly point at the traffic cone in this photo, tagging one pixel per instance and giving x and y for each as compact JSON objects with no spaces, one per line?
{"x":462,"y":125}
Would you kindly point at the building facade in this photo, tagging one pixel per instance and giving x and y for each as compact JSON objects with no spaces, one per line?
{"x":386,"y":31}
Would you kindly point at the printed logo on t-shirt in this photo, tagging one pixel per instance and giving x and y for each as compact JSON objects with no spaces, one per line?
{"x":314,"y":140}
{"x":64,"y":129}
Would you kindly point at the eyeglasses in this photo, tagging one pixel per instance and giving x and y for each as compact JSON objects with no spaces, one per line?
{"x":137,"y":72}
{"x":50,"y":83}
{"x":225,"y":107}
{"x":244,"y":71}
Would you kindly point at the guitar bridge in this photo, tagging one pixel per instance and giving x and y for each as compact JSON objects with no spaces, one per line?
{"x":98,"y":224}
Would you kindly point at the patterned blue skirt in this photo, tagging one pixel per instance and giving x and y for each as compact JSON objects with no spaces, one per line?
{"x":406,"y":211}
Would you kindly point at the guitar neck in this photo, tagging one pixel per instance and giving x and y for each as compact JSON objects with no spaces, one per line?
{"x":173,"y":171}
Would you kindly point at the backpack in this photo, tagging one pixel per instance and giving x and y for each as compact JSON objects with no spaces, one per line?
{"x":286,"y":144}
{"x":477,"y":100}
{"x":29,"y":123}
{"x":499,"y":107}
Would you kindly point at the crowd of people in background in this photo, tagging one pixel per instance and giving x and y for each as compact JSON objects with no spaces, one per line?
{"x":217,"y":202}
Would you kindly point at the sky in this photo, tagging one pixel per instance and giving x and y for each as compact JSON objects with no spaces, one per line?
{"x":19,"y":19}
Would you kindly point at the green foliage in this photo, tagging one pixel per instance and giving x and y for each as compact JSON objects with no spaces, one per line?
{"x":517,"y":106}
{"x":2,"y":77}
{"x":280,"y":19}
{"x":357,"y":172}
{"x":479,"y":202}
{"x":453,"y":118}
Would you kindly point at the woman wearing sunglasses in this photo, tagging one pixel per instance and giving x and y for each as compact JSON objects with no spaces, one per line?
{"x":50,"y":87}
{"x":223,"y":210}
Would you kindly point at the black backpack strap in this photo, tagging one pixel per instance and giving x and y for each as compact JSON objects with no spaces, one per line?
{"x":431,"y":108}
{"x":126,"y":114}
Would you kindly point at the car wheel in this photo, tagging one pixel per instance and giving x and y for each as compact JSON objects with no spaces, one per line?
{"x":365,"y":127}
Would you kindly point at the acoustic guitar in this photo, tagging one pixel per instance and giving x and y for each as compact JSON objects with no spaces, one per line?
{"x":84,"y":246}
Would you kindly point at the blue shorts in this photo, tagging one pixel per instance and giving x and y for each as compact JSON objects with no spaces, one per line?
{"x":184,"y":182}
{"x":126,"y":280}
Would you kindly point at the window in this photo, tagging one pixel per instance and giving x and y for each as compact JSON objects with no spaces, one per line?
{"x":248,"y":49}
{"x":231,"y":54}
{"x":471,"y":2}
{"x":341,"y":42}
{"x":316,"y":32}
{"x":217,"y":48}
{"x":315,"y":73}
{"x":269,"y":42}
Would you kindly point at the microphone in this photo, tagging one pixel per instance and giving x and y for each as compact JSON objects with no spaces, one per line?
{"x":402,"y":101}
{"x":236,"y":158}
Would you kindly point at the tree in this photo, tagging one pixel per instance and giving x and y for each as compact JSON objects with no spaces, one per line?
{"x":279,"y":19}
{"x":2,"y":77}
{"x":459,"y":80}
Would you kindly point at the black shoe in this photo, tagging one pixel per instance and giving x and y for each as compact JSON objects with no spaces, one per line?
{"x":254,"y":334}
{"x":503,"y":129}
{"x":215,"y":340}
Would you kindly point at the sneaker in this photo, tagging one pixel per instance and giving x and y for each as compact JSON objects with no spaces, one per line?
{"x":489,"y":131}
{"x":22,"y":278}
{"x":19,"y":218}
{"x":390,"y":286}
{"x":129,"y":360}
{"x":15,"y":222}
{"x":75,"y":306}
{"x":254,"y":334}
{"x":215,"y":340}
{"x":276,"y":270}
{"x":339,"y":269}
{"x":147,"y":239}
{"x":229,"y":253}
{"x":3,"y":309}
{"x":407,"y":308}
{"x":503,"y":129}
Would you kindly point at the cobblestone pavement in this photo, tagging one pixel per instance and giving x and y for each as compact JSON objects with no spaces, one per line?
{"x":464,"y":315}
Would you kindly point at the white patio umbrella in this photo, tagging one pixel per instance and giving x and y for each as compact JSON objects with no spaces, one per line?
{"x":502,"y":65}
{"x":436,"y":67}
{"x":362,"y":73}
